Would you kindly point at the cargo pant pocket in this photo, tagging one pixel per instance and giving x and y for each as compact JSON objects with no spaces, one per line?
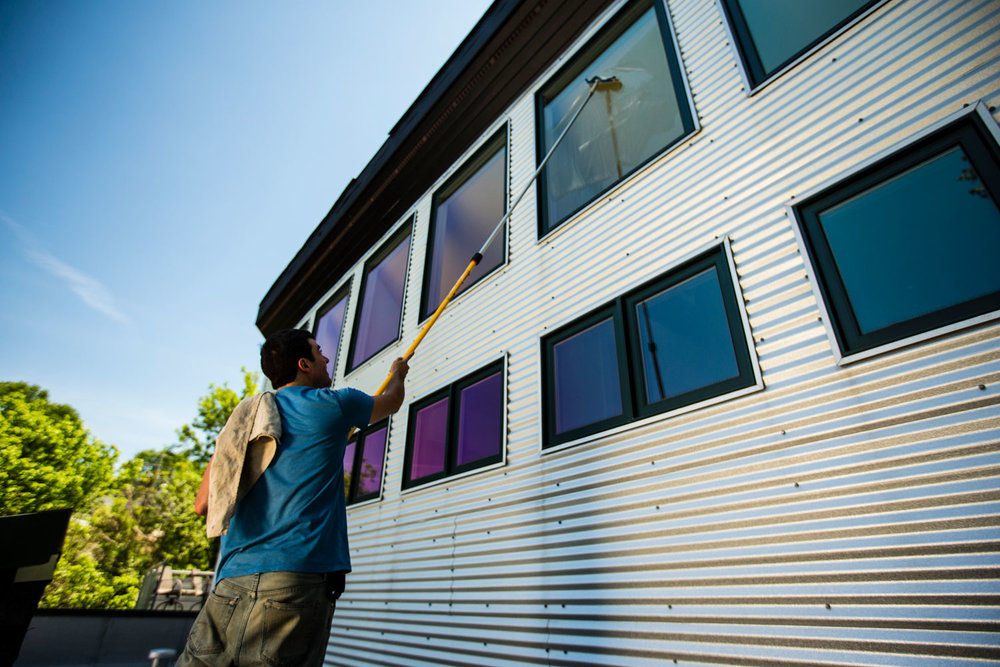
{"x":208,"y":635}
{"x":296,"y":631}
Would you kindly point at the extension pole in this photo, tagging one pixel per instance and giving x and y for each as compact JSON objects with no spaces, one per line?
{"x":596,"y":83}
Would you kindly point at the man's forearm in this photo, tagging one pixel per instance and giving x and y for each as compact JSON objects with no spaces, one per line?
{"x":201,"y":499}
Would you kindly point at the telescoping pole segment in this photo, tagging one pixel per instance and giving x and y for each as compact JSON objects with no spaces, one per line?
{"x":596,"y":83}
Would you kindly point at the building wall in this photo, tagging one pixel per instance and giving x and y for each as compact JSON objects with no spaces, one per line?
{"x":845,"y":513}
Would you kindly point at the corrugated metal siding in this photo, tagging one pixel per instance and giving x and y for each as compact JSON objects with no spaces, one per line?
{"x":839,"y":515}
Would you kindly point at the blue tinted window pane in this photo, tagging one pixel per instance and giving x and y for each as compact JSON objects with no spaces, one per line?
{"x":349,"y":466}
{"x":685,"y":338}
{"x":328,"y":331}
{"x":429,"y":440}
{"x":587,"y":384}
{"x":462,"y":223}
{"x":922,"y":241}
{"x":381,"y":304}
{"x":780,"y":29}
{"x":480,"y":420}
{"x":617,"y":130}
{"x":372,"y":458}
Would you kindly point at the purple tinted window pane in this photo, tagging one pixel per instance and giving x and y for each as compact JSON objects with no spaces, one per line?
{"x":429,"y":437}
{"x":480,"y":421}
{"x":328,"y":330}
{"x":462,"y":223}
{"x":381,"y":304}
{"x":348,"y":466}
{"x":371,"y":462}
{"x":587,"y":385}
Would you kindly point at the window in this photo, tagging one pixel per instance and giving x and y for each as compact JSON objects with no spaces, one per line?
{"x":618,"y":131}
{"x":909,"y":244}
{"x":456,"y":429}
{"x":381,"y":303}
{"x":771,"y":33}
{"x":676,"y":341}
{"x":330,"y":325}
{"x":363,"y":461}
{"x":463,"y":214}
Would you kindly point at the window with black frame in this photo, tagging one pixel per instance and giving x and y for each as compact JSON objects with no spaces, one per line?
{"x":619,"y":130}
{"x":770,"y":34}
{"x":330,"y":326}
{"x":364,"y":457}
{"x":458,"y":428}
{"x":464,"y":211}
{"x":380,"y":302}
{"x":909,"y":244}
{"x":676,"y":341}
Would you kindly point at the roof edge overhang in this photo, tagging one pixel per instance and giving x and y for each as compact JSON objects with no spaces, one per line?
{"x":511,"y":45}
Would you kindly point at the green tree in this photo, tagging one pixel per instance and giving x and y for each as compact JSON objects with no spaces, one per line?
{"x":48,"y":459}
{"x":214,"y":409}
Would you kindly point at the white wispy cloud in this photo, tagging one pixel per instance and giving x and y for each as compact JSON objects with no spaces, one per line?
{"x":90,"y":290}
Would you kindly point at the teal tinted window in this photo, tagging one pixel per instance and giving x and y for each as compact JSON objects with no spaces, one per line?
{"x":909,"y":244}
{"x":771,"y":33}
{"x":619,"y":130}
{"x":685,"y":341}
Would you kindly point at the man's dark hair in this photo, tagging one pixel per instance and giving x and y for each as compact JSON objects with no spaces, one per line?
{"x":280,"y":354}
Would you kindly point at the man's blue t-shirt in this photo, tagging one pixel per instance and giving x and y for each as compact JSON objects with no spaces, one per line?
{"x":294,"y":518}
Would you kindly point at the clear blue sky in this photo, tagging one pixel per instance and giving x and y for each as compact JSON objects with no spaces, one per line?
{"x":162,"y":161}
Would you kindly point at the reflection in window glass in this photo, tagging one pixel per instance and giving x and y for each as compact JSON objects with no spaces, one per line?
{"x":329,"y":328}
{"x":465,"y":212}
{"x":931,"y":265}
{"x":480,"y":420}
{"x":587,"y":383}
{"x":429,"y":440}
{"x":381,"y":303}
{"x":774,"y":32}
{"x":349,"y":466}
{"x":372,"y":457}
{"x":456,"y":429}
{"x":617,"y":131}
{"x":685,"y":338}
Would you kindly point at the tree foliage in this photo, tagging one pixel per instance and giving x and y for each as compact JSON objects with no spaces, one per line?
{"x":126,"y":521}
{"x":214,"y":409}
{"x":48,"y":459}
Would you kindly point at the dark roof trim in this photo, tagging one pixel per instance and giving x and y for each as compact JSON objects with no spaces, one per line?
{"x":511,"y":44}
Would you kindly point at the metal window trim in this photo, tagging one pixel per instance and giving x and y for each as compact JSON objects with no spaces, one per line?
{"x":734,"y":44}
{"x":841,"y":357}
{"x":676,"y":65}
{"x":447,"y":180}
{"x":448,"y":390}
{"x":723,"y":243}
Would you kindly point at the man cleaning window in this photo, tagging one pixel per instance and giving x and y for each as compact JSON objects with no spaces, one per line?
{"x":274,"y":491}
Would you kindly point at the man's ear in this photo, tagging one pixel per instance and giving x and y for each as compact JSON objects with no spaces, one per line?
{"x":303,"y":366}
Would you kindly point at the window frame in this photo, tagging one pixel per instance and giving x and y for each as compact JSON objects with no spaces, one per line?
{"x":635,"y":412}
{"x":619,"y":23}
{"x":499,"y":140}
{"x":452,"y":392}
{"x":341,"y":293}
{"x":359,"y":436}
{"x":752,"y":69}
{"x":848,"y":344}
{"x":394,"y":240}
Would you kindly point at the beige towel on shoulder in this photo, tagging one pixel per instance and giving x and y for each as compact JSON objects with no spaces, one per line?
{"x":243,"y":451}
